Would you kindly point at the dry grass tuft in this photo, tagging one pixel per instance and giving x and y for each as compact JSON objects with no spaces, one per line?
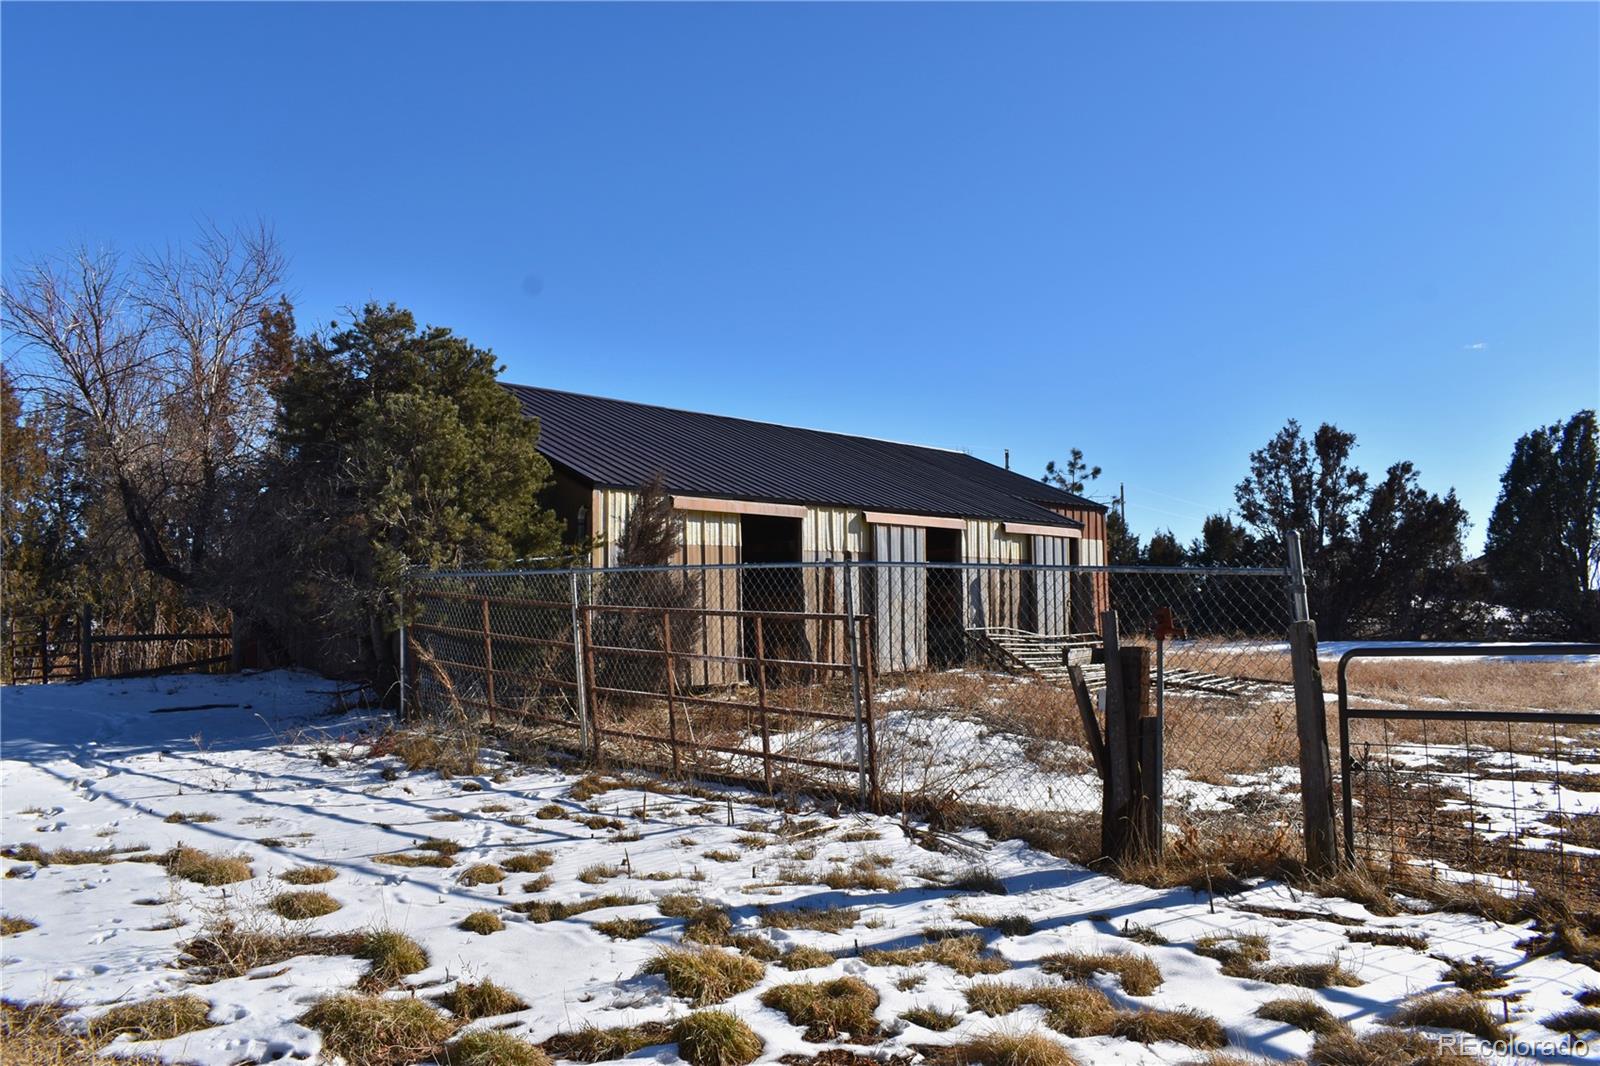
{"x":309,"y":875}
{"x":1308,"y":974}
{"x":1005,"y":924}
{"x":539,"y":910}
{"x":801,"y":957}
{"x":1383,"y":1047}
{"x":963,"y":954}
{"x":152,"y":1019}
{"x":31,"y":1034}
{"x":861,"y":874}
{"x":625,"y":928}
{"x":1184,"y":1026}
{"x":1576,"y":1020}
{"x":189,"y":818}
{"x":1449,"y":1010}
{"x":491,"y":1047}
{"x":409,"y":858}
{"x":1006,"y":1049}
{"x":68,"y":856}
{"x":1388,"y":938}
{"x":1300,"y":1012}
{"x":228,"y":947}
{"x":446,"y":755}
{"x":838,"y":1009}
{"x":1072,"y":1010}
{"x":1143,"y":934}
{"x":371,"y":1030}
{"x":302,"y":905}
{"x":976,"y":879}
{"x":529,"y":862}
{"x":471,"y":1000}
{"x":393,"y":955}
{"x":1476,"y":974}
{"x":205,"y":868}
{"x":822,"y":919}
{"x":1138,"y":974}
{"x":1239,"y":955}
{"x":599,"y":872}
{"x":931,"y":1018}
{"x":10,"y":926}
{"x":716,"y":1038}
{"x":705,"y":975}
{"x":482,"y":922}
{"x":594,"y":1044}
{"x":550,"y":812}
{"x":481,"y":873}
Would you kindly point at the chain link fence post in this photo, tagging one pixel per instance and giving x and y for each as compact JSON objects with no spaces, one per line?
{"x":577,"y":664}
{"x":852,"y":641}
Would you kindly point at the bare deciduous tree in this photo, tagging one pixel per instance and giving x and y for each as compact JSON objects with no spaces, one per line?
{"x":158,"y":360}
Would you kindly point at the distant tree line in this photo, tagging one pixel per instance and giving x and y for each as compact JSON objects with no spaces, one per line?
{"x":175,"y":448}
{"x":1386,"y":557}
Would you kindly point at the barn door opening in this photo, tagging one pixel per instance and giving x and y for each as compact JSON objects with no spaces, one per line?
{"x":946,"y":634}
{"x":773,"y":539}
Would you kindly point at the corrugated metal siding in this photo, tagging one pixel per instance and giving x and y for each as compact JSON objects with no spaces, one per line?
{"x":1052,"y":588}
{"x":993,"y":598}
{"x":899,"y":598}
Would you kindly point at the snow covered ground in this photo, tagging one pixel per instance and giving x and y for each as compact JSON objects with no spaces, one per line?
{"x":277,"y":776}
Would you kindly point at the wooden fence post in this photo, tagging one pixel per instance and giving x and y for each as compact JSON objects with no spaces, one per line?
{"x":1144,"y":756}
{"x":44,"y":650}
{"x":1118,"y":792}
{"x":1316,"y":763}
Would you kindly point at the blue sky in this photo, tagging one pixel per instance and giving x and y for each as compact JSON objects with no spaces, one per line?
{"x":1150,"y":232}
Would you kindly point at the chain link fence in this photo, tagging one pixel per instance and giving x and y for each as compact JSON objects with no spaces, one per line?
{"x":926,"y":686}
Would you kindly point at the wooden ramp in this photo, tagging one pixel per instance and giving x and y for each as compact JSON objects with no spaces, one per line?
{"x":1047,"y":656}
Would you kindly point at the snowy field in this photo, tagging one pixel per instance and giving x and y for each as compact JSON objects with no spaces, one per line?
{"x":260,"y":768}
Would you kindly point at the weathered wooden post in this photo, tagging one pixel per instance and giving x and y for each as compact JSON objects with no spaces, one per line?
{"x":1311,"y":723}
{"x":1118,"y":791}
{"x":1144,"y":756}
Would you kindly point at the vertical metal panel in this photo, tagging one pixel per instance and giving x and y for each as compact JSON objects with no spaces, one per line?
{"x":830,"y":533}
{"x":900,"y":616}
{"x":1052,"y":593}
{"x":993,"y":598}
{"x":710,"y":538}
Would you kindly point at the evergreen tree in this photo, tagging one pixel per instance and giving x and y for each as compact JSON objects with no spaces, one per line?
{"x":1122,"y":545}
{"x":1224,"y":542}
{"x":395,"y":448}
{"x":1382,"y":560}
{"x":1543,"y":543}
{"x":1164,"y":550}
{"x":1074,"y":476}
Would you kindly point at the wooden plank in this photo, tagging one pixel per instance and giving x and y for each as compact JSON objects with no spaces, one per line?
{"x":1091,"y":725}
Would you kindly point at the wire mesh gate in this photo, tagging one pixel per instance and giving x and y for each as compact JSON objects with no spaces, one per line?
{"x":924,"y":685}
{"x":1501,"y":798}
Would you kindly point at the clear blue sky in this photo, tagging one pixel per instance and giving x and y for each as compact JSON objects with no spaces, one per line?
{"x":1151,"y":232}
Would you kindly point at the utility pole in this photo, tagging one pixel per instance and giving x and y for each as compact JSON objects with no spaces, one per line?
{"x":1122,"y":503}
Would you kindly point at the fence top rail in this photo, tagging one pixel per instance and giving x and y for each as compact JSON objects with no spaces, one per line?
{"x":1434,"y":714}
{"x":865,"y":564}
{"x":1473,"y":651}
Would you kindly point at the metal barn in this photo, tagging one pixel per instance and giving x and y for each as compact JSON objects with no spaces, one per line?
{"x":757,"y":492}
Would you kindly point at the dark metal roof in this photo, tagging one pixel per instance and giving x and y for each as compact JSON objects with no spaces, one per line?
{"x":620,"y":444}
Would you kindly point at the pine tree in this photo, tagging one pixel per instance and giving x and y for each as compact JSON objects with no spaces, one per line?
{"x":1543,"y":544}
{"x":396,"y":448}
{"x":651,"y":537}
{"x":1074,"y":476}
